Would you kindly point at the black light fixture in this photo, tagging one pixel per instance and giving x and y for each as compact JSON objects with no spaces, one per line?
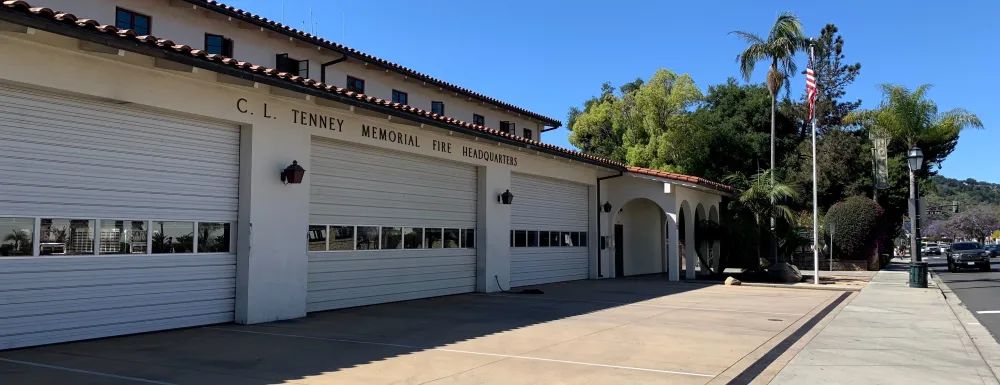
{"x":292,"y":174}
{"x":505,"y":198}
{"x":606,"y":206}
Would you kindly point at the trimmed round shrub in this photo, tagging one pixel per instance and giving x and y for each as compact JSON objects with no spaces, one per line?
{"x":857,"y":225}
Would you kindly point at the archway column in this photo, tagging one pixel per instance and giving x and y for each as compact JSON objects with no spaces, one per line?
{"x":673,"y":248}
{"x":689,"y":253}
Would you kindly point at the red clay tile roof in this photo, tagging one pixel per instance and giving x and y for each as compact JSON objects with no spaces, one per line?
{"x":313,"y":39}
{"x":168,"y":45}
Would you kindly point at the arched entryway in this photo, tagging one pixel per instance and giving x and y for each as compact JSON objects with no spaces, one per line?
{"x":640,"y":237}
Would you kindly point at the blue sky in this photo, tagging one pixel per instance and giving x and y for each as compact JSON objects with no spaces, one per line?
{"x":549,"y":55}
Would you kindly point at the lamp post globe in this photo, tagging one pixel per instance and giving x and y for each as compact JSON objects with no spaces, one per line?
{"x":915,"y":158}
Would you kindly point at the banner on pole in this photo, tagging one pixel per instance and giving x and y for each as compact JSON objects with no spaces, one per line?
{"x":881,"y":162}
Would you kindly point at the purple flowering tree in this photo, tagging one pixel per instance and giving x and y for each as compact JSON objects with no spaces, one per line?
{"x":976,"y":223}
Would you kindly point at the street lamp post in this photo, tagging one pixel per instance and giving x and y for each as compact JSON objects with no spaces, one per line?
{"x":918,"y":268}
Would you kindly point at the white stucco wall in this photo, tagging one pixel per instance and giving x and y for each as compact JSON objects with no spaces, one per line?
{"x":271,"y":246}
{"x":186,"y":25}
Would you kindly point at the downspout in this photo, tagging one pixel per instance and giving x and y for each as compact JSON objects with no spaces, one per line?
{"x":322,"y":67}
{"x":599,"y":239}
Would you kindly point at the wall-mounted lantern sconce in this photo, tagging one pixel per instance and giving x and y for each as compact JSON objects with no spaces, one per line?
{"x":292,"y":174}
{"x":505,"y":198}
{"x":606,"y":207}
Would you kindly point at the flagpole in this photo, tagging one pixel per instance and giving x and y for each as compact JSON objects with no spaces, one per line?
{"x":815,"y":193}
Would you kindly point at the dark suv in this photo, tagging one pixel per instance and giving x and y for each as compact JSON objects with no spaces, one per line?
{"x":966,"y":255}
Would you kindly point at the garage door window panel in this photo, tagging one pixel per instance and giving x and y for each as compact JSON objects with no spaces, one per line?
{"x":469,"y":238}
{"x":520,"y":238}
{"x":123,"y":237}
{"x":341,"y":238}
{"x":16,"y":237}
{"x":451,"y":238}
{"x":432,"y":238}
{"x":543,"y":239}
{"x":532,"y":238}
{"x":413,"y":238}
{"x":66,"y":237}
{"x":392,"y":238}
{"x":583,"y":240}
{"x":173,"y":237}
{"x":368,"y":238}
{"x":214,"y":237}
{"x":554,"y":240}
{"x":317,"y":237}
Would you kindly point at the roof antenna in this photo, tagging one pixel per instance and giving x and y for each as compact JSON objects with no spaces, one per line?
{"x":282,"y":11}
{"x":312,"y":25}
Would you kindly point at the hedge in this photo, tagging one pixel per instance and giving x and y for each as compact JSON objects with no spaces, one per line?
{"x":858,"y":223}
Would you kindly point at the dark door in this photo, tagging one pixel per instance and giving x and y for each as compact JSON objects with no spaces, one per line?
{"x":619,"y":251}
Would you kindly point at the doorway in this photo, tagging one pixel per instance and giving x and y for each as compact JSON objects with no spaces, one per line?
{"x":619,"y":251}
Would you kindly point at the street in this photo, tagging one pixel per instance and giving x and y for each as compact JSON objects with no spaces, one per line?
{"x":980,"y":291}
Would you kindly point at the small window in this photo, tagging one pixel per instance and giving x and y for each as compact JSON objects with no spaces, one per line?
{"x":355,"y":85}
{"x":528,"y":134}
{"x":451,"y":238}
{"x":567,"y":239}
{"x":583,"y":240}
{"x":367,"y":238}
{"x":432,"y":238}
{"x":543,"y":239}
{"x":219,"y":45}
{"x":341,"y":238}
{"x":316,"y":238}
{"x":213,"y":237}
{"x":437,"y":108}
{"x":574,"y":238}
{"x":173,"y":237}
{"x":123,"y":237}
{"x":399,"y":97}
{"x":413,"y":238}
{"x":125,"y":19}
{"x":512,"y":238}
{"x":520,"y":238}
{"x":16,"y":237}
{"x":392,"y":238}
{"x":478,"y":119}
{"x":469,"y":238}
{"x":292,"y":65}
{"x":554,"y":240}
{"x":532,"y":238}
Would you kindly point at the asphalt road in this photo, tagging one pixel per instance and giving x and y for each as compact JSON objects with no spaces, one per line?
{"x":980,"y":291}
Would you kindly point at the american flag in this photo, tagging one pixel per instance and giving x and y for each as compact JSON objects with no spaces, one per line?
{"x":811,"y":88}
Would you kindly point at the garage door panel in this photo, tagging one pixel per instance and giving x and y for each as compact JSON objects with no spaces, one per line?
{"x":79,"y":333}
{"x":97,"y":160}
{"x":358,"y":185}
{"x":545,"y":204}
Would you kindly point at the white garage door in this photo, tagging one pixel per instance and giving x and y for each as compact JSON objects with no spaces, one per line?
{"x":388,"y":226}
{"x":113,"y":219}
{"x":549,"y":224}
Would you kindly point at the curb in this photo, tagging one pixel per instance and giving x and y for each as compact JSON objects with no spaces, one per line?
{"x":801,"y":287}
{"x":981,"y":338}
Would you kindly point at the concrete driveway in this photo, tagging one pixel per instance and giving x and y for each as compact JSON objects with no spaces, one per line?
{"x":626,"y":331}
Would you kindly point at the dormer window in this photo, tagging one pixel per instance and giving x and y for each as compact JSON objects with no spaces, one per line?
{"x":219,"y":45}
{"x":478,"y":119}
{"x":355,"y":85}
{"x":528,"y":134}
{"x":508,"y":127}
{"x":293,"y":66}
{"x":437,"y":108}
{"x":137,"y":22}
{"x":399,"y":97}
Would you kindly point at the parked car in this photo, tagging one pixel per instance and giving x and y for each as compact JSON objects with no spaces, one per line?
{"x":993,"y":250}
{"x":963,"y":255}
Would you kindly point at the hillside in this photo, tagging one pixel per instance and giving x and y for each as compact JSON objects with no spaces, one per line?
{"x":966,"y":193}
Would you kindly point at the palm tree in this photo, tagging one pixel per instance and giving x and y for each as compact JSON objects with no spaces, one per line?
{"x":21,"y":240}
{"x":762,"y":198}
{"x":783,"y":41}
{"x":910,"y":118}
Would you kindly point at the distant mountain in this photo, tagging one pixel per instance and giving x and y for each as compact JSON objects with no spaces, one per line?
{"x":966,"y":193}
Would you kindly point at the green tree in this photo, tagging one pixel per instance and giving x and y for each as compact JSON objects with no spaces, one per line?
{"x":761,"y":197}
{"x":630,"y":126}
{"x":832,"y":78}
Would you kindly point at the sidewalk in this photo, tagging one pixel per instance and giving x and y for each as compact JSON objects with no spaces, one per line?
{"x":893,"y":334}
